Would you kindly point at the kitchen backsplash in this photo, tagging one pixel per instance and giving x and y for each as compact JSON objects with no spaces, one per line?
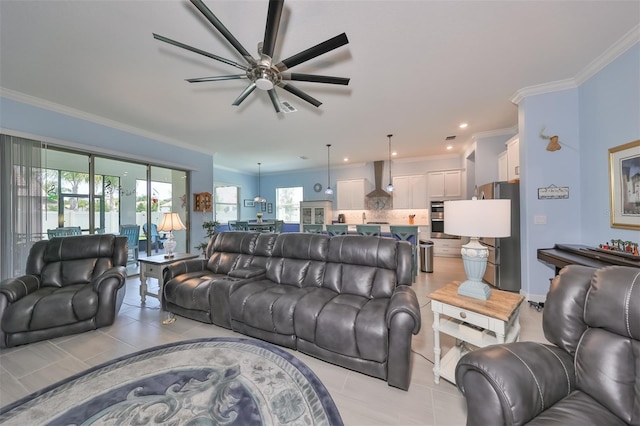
{"x":394,"y":217}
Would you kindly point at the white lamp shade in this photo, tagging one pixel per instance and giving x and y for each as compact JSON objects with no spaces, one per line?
{"x":171,"y":222}
{"x":478,"y":218}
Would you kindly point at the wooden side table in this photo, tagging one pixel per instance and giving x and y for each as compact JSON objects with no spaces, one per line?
{"x":153,"y":267}
{"x":473,"y":321}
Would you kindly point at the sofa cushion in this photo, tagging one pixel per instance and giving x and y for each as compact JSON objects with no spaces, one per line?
{"x":298,"y":259}
{"x":50,"y":307}
{"x":191,"y":290}
{"x":266,"y":305}
{"x":576,"y":409}
{"x":347,"y":324}
{"x":231,"y":248}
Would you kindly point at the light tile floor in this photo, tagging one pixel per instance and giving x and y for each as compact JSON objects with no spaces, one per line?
{"x":362,"y":400}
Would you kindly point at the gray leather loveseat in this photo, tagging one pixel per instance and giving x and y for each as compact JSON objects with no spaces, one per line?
{"x":344,"y":299}
{"x":589,"y":376}
{"x":71,"y":285}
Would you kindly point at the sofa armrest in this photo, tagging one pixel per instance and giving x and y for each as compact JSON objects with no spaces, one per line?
{"x":247,"y":272}
{"x":182,"y":267}
{"x":117,"y":272}
{"x":16,"y":288}
{"x":404,"y":299}
{"x":512,"y":383}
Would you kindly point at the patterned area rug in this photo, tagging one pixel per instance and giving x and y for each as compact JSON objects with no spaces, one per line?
{"x":219,"y":381}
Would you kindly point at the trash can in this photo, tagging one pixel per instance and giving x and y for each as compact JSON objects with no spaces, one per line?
{"x":426,"y":256}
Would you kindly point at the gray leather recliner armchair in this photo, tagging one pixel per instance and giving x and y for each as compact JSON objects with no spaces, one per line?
{"x":592,"y":374}
{"x":71,"y":285}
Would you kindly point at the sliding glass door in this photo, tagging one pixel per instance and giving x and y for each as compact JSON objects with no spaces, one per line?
{"x":45,"y":189}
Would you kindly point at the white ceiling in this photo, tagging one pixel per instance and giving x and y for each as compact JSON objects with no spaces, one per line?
{"x":418,"y":69}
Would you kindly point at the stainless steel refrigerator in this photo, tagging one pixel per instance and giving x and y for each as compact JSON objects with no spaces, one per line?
{"x":503,"y":266}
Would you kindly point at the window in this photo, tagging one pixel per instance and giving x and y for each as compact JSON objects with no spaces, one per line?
{"x":288,"y":203}
{"x":226,"y":203}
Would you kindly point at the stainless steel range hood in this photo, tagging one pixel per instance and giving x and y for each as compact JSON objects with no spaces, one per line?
{"x":377,"y":175}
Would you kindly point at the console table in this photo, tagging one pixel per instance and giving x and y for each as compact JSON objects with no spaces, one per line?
{"x":471,"y":321}
{"x":153,"y":267}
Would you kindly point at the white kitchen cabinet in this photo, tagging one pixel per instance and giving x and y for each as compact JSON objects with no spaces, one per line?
{"x":503,"y":167}
{"x":410,"y":192}
{"x":446,"y":184}
{"x":350,"y":194}
{"x":513,"y":158}
{"x":447,"y":247}
{"x":315,"y":213}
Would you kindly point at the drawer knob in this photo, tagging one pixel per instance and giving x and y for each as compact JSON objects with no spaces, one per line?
{"x":463,"y":315}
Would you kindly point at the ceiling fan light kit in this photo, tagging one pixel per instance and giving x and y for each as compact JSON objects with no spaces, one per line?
{"x":263,"y":73}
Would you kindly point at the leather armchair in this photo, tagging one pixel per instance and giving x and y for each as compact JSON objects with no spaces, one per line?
{"x":589,"y":376}
{"x":72,"y":284}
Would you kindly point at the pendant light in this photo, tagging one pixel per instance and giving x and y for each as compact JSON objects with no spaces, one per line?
{"x":390,"y":187}
{"x":328,"y":191}
{"x":259,"y":198}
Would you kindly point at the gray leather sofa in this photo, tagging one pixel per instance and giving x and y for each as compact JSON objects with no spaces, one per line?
{"x":589,"y":376}
{"x":345,"y":299}
{"x":72,"y":284}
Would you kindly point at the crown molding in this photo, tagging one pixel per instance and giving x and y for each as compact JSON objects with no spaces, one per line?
{"x":541,"y":89}
{"x":81,"y":115}
{"x":492,"y":133}
{"x":625,"y":43}
{"x":618,"y":48}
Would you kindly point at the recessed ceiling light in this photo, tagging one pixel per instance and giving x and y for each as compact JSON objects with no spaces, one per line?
{"x":463,"y":125}
{"x":394,"y":153}
{"x":449,"y":147}
{"x":346,"y":159}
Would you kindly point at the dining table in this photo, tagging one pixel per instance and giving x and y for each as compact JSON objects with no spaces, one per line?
{"x":264,"y":226}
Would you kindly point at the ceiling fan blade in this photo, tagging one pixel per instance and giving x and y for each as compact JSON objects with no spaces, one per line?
{"x":218,"y":78}
{"x":223,"y":30}
{"x":312,"y":52}
{"x":275,"y":100}
{"x":315,"y":78}
{"x":271,"y":29}
{"x":250,"y":88}
{"x":299,"y":93}
{"x":198,"y":51}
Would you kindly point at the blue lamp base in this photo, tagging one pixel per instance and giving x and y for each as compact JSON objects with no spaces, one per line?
{"x":475,"y":289}
{"x":474,"y":259}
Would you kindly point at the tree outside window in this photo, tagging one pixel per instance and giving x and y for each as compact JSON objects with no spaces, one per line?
{"x":288,"y":203}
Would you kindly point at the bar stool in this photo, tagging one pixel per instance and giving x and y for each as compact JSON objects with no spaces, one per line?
{"x":334,"y":230}
{"x":409,"y":234}
{"x":370,"y":230}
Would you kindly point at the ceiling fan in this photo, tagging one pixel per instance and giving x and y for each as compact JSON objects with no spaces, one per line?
{"x":262,"y":72}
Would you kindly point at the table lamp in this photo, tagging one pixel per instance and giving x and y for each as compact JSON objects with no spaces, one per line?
{"x":170,"y":222}
{"x":477,"y":218}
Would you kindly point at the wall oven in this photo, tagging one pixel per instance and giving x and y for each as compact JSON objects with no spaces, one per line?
{"x":437,"y":220}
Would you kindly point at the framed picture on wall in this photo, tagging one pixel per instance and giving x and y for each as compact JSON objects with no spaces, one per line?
{"x":624,"y":192}
{"x":270,"y":208}
{"x":263,"y":207}
{"x":249,"y":203}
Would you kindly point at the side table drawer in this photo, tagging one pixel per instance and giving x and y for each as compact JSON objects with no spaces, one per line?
{"x":466,"y":316}
{"x":152,"y":270}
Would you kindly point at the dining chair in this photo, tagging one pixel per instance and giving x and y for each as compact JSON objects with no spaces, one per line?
{"x":64,"y":231}
{"x":334,"y":230}
{"x":242,"y":225}
{"x":409,"y":234}
{"x":278,"y":226}
{"x":370,"y":230}
{"x":132,"y":232}
{"x":314,"y":229}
